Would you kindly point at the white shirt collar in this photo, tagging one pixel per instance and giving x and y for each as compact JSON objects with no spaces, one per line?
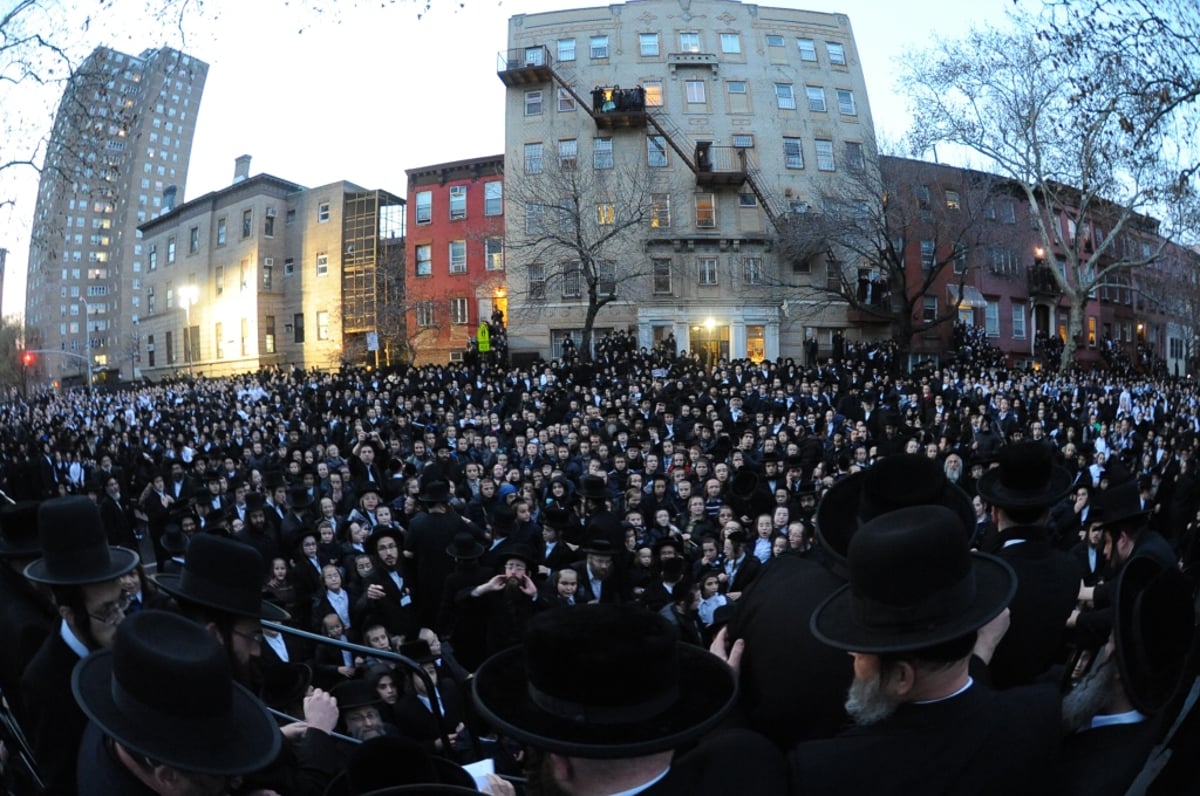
{"x":644,"y":786}
{"x":1129,"y":717}
{"x":72,"y":641}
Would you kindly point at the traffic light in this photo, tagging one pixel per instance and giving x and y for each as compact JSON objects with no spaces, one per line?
{"x":28,"y":359}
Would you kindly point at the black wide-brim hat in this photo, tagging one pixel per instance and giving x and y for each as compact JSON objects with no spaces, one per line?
{"x":1120,"y":504}
{"x":464,"y":547}
{"x":75,"y":548}
{"x":1153,"y":631}
{"x":19,"y":530}
{"x":906,"y":479}
{"x":165,"y":692}
{"x":1027,"y":478}
{"x":518,"y":550}
{"x":913,"y":584}
{"x":224,"y":574}
{"x":437,"y":491}
{"x":603,"y":682}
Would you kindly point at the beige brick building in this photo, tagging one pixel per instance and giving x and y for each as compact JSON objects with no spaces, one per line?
{"x":710,"y":124}
{"x":269,"y":273}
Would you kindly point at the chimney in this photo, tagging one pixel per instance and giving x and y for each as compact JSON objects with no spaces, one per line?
{"x":241,"y":168}
{"x":169,"y":198}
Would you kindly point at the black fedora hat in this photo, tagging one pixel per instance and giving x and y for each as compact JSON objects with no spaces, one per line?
{"x":593,"y":487}
{"x":516,"y":550}
{"x":1152,"y":632}
{"x":75,"y":548}
{"x":383,"y":532}
{"x":224,"y":574}
{"x":436,"y":491}
{"x":363,"y":487}
{"x":173,"y":540}
{"x":1122,"y":503}
{"x":464,"y":547}
{"x":298,"y":498}
{"x":898,"y":481}
{"x":351,"y":694}
{"x":166,"y":692}
{"x":1027,"y":478}
{"x":255,"y":502}
{"x":913,"y":584}
{"x":599,"y":547}
{"x":556,"y":517}
{"x":603,"y":681}
{"x":418,"y":650}
{"x":19,"y":530}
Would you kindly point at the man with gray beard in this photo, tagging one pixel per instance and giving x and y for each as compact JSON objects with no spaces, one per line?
{"x":917,"y":606}
{"x":1115,"y":713}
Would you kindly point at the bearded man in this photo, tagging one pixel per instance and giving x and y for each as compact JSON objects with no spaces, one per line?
{"x":507,"y":601}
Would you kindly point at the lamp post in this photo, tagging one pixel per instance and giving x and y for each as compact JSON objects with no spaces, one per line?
{"x":87,"y":347}
{"x":187,"y":297}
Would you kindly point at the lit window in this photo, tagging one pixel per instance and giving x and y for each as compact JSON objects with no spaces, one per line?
{"x":952,"y":201}
{"x":784,"y":97}
{"x":654,"y":93}
{"x":706,"y":210}
{"x":660,"y":210}
{"x":606,"y":214}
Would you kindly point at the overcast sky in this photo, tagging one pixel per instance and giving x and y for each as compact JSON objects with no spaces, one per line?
{"x":363,"y":93}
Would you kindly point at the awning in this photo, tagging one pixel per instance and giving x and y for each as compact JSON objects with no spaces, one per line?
{"x":971,"y":297}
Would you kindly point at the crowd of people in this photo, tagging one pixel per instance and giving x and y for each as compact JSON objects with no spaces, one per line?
{"x":582,"y":558}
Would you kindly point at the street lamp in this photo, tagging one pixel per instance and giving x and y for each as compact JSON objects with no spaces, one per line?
{"x":187,"y":297}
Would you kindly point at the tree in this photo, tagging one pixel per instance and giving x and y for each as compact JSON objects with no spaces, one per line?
{"x":888,"y":238}
{"x":1093,"y":181}
{"x":574,"y":235}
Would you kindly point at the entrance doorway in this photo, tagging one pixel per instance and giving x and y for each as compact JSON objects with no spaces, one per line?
{"x":710,"y":342}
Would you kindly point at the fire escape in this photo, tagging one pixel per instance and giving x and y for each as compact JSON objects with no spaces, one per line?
{"x":615,"y":108}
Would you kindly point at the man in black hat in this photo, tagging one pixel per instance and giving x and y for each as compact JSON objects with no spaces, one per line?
{"x":414,"y":711}
{"x":26,"y":612}
{"x":157,"y":504}
{"x":256,"y":531}
{"x":425,"y":543}
{"x":600,"y":521}
{"x":84,"y":574}
{"x":359,"y":713}
{"x":603,"y":695}
{"x":1022,"y":489}
{"x":599,"y":579}
{"x":1115,"y":713}
{"x":166,"y":714}
{"x":117,"y":513}
{"x":911,"y":617}
{"x":388,"y":597}
{"x":503,"y":605}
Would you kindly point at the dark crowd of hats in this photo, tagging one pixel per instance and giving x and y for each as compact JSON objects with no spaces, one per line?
{"x":557,"y":547}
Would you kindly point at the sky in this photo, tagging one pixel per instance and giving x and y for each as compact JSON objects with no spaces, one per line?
{"x":362,"y":91}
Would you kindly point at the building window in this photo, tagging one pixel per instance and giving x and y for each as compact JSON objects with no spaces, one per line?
{"x":533,"y":103}
{"x":824,"y":155}
{"x":837,"y":53}
{"x":747,"y":200}
{"x":322,"y":324}
{"x":752,"y":270}
{"x":598,"y":46}
{"x":1008,"y":213}
{"x":269,"y":334}
{"x":289,"y":266}
{"x":150,"y":303}
{"x":689,"y":42}
{"x":220,"y":232}
{"x":493,"y":254}
{"x":298,"y":328}
{"x":606,"y":214}
{"x":572,"y":279}
{"x":193,"y":240}
{"x":533,"y":158}
{"x":458,"y":202}
{"x":170,"y":250}
{"x":960,"y":258}
{"x":1018,"y":320}
{"x":458,"y":256}
{"x":268,"y":276}
{"x":660,"y":210}
{"x":774,"y":40}
{"x":808,"y":49}
{"x":928,"y":253}
{"x":816,"y":98}
{"x":654,"y":93}
{"x":247,"y":223}
{"x":536,"y":282}
{"x":493,"y":198}
{"x":534,"y":212}
{"x":170,"y":297}
{"x":602,"y":153}
{"x":568,"y":154}
{"x":565,"y":101}
{"x":458,"y":311}
{"x":707,"y":270}
{"x":152,"y":257}
{"x":952,"y":201}
{"x":656,"y":151}
{"x":731,"y":43}
{"x":784,"y":97}
{"x":661,"y":269}
{"x":424,"y":260}
{"x":846,"y":102}
{"x":606,"y":278}
{"x":738,"y":99}
{"x":566,"y":50}
{"x":929,"y":309}
{"x":793,"y":155}
{"x":706,"y":211}
{"x":648,"y":45}
{"x":170,"y":343}
{"x":323,"y":212}
{"x":743,"y":141}
{"x":269,"y":223}
{"x":695,"y":92}
{"x":424,"y":207}
{"x":290,"y":216}
{"x":991,"y":319}
{"x":322,"y":265}
{"x":854,"y":156}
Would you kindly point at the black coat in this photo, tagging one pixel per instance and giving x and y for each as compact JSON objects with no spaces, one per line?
{"x":26,"y":619}
{"x":53,"y":722}
{"x":1104,"y":761}
{"x":729,"y":763}
{"x":977,"y":743}
{"x":416,"y":721}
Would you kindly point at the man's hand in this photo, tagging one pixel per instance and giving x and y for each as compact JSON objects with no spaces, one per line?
{"x":495,"y":584}
{"x":528,"y":587}
{"x":989,"y":636}
{"x":730,"y":653}
{"x":375,"y":592}
{"x":321,"y":711}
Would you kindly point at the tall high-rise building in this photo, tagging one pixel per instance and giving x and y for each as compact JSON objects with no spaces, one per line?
{"x":117,"y":157}
{"x":655,"y":150}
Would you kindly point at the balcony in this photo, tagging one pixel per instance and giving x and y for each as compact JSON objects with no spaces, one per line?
{"x":1041,"y":282}
{"x":614,"y":107}
{"x":720,"y":165}
{"x":708,"y":60}
{"x":524,"y":66}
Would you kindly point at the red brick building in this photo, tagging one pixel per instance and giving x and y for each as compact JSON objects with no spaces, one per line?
{"x":455,"y":254}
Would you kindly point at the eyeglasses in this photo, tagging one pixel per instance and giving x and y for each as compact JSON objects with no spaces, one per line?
{"x":115,"y":611}
{"x":256,"y":638}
